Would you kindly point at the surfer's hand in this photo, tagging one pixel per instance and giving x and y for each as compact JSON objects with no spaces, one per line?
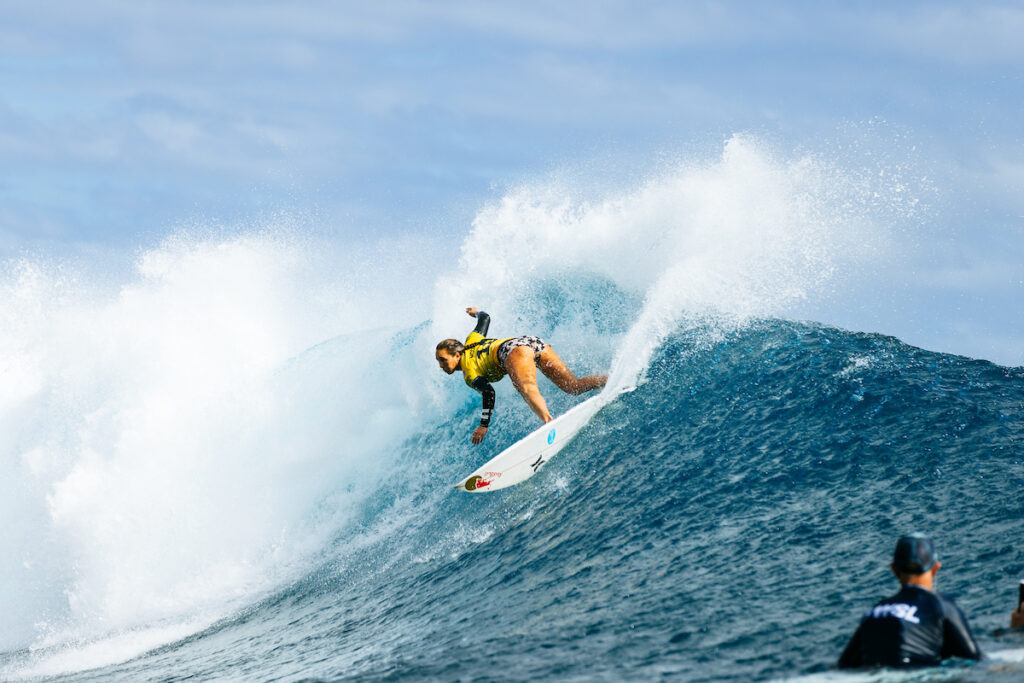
{"x":478,"y":434}
{"x":472,"y":311}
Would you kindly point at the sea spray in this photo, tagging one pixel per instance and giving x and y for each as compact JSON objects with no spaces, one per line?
{"x":169,"y":454}
{"x":746,"y":235}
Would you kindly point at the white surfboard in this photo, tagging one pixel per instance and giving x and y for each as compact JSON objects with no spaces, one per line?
{"x":525,"y":457}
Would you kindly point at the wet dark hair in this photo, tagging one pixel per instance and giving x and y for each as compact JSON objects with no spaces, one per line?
{"x":452,"y":346}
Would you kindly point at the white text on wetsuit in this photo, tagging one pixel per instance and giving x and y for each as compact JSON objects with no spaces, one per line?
{"x":898,"y":610}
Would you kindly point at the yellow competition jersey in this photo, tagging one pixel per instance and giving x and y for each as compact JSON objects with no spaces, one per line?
{"x":480,"y":359}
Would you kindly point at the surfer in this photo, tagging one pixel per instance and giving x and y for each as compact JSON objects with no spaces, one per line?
{"x":483,"y":360}
{"x":916,"y":626}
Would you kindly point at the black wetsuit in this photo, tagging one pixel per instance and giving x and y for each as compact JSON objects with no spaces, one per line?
{"x":483,"y":321}
{"x":915,"y":627}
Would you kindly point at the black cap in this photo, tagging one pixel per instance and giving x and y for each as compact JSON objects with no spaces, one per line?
{"x":915,"y":554}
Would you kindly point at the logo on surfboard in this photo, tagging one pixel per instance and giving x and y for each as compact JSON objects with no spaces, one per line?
{"x":477,"y":482}
{"x":551,"y":437}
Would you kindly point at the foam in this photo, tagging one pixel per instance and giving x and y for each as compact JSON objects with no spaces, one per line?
{"x":746,"y":235}
{"x":169,"y":448}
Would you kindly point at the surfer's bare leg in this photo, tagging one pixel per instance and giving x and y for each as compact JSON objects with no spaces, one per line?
{"x":522,"y":369}
{"x":555,"y":369}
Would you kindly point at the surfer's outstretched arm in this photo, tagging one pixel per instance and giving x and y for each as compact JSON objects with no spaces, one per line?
{"x":483,"y":321}
{"x":487,"y":391}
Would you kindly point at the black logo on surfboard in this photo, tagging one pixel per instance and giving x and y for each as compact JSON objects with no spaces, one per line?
{"x":537,"y":463}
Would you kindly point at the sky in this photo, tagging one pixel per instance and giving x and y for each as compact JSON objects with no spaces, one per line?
{"x":122,"y":121}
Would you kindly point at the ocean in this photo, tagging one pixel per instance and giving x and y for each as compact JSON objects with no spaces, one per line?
{"x":233,"y":458}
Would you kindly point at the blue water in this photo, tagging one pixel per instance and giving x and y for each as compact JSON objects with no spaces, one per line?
{"x":234,"y":459}
{"x":728,"y":519}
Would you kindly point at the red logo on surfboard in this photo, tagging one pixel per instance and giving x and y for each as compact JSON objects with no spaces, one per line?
{"x":476,"y":483}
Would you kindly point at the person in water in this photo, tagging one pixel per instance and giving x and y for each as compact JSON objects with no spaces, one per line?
{"x":1017,"y":616}
{"x":915,"y":627}
{"x":483,"y":360}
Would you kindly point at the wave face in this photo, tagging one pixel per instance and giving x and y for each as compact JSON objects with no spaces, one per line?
{"x":728,"y":519}
{"x":239,"y":464}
